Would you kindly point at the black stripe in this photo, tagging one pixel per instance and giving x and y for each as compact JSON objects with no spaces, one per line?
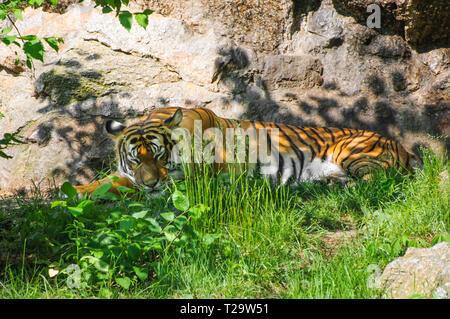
{"x":343,"y":132}
{"x":324,"y":156}
{"x":356,"y":149}
{"x":295,"y":167}
{"x":195,"y":111}
{"x":229,"y":123}
{"x":314,"y":140}
{"x":269,"y":141}
{"x":297,"y":151}
{"x":375,"y":144}
{"x":280,"y":161}
{"x":210,"y":117}
{"x":351,"y":139}
{"x":313,"y":152}
{"x":318,"y":135}
{"x":331,"y":134}
{"x":396,"y":151}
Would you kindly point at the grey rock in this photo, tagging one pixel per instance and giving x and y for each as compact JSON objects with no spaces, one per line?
{"x":292,"y":71}
{"x":423,"y":23}
{"x":421,"y":271}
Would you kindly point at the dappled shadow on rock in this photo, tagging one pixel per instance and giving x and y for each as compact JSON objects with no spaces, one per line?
{"x":325,"y":105}
{"x":72,"y":124}
{"x":423,"y":24}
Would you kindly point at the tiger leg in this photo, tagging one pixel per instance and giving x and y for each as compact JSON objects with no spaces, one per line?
{"x":120,"y":181}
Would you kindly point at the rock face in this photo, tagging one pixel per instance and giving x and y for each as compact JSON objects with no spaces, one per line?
{"x":421,"y":22}
{"x":297,"y":62}
{"x":422,"y":271}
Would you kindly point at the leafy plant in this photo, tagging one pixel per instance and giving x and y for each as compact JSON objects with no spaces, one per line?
{"x":125,"y":17}
{"x":226,"y":236}
{"x":119,"y":244}
{"x":31,"y":45}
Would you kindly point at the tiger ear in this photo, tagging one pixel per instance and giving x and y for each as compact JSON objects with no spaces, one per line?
{"x":114,"y":128}
{"x":174,"y":120}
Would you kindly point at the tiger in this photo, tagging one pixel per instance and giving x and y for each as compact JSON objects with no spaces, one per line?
{"x":145,"y":159}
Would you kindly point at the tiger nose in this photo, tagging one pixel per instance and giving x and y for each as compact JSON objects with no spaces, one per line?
{"x":142,"y":150}
{"x":149,"y":180}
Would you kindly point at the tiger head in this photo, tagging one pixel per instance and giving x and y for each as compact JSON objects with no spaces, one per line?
{"x":144,"y":149}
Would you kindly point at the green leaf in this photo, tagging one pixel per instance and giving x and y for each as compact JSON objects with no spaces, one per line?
{"x":53,"y":42}
{"x":169,"y":216}
{"x":3,"y":14}
{"x":102,"y":189}
{"x":69,"y":190}
{"x":140,"y":214}
{"x":98,"y":263}
{"x":109,"y":196}
{"x":28,"y":37}
{"x":180,"y":221}
{"x":154,"y":226}
{"x":34,"y":49}
{"x":18,"y":14}
{"x":142,"y":19}
{"x":59,"y":203}
{"x":6,"y":30}
{"x":4,"y":155}
{"x":107,"y":9}
{"x":180,"y":200}
{"x":125,"y":189}
{"x":105,"y":293}
{"x":171,"y":233}
{"x":197,"y":211}
{"x":134,"y":251}
{"x":209,"y":239}
{"x":35,"y":3}
{"x":126,"y":224}
{"x":124,"y":282}
{"x":116,"y":214}
{"x":135,"y":205}
{"x":116,"y":251}
{"x":75,"y":211}
{"x":126,"y":20}
{"x":8,"y":39}
{"x":87,"y":205}
{"x":117,"y":5}
{"x":54,"y":2}
{"x":148,"y":12}
{"x":141,"y":273}
{"x":113,"y":177}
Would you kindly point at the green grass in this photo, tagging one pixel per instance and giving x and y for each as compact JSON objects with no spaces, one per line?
{"x":232,"y":236}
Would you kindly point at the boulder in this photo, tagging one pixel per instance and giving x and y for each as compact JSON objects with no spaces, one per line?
{"x":421,"y":271}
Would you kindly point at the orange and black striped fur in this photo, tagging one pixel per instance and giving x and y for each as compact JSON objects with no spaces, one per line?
{"x":304,"y":153}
